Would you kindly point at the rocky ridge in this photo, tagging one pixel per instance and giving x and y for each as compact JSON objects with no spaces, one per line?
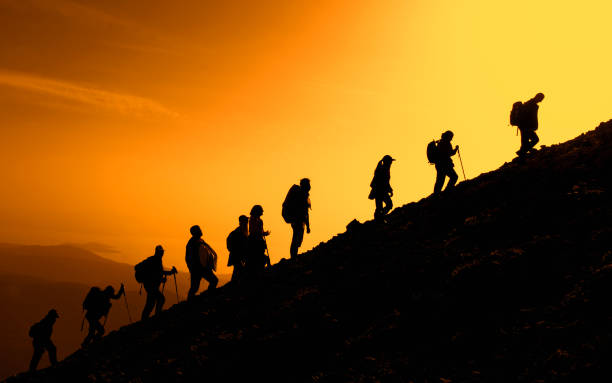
{"x":504,"y":279}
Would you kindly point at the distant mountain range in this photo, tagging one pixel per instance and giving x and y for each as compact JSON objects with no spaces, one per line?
{"x":34,"y":279}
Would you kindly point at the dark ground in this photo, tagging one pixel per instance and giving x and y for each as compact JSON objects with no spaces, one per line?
{"x":505,"y":279}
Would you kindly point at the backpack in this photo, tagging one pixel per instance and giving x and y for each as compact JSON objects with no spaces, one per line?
{"x":35,"y":330}
{"x":92,"y":298}
{"x":145,"y":271}
{"x":432,"y":152}
{"x":290,"y":205}
{"x":208,"y":258}
{"x":516,"y":113}
{"x":96,"y":302}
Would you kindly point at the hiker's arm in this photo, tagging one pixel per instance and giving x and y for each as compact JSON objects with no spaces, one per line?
{"x":170,"y":272}
{"x":119,"y":293}
{"x":455,"y":150}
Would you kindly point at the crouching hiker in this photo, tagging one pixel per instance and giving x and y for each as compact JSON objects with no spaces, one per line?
{"x":201,"y":261}
{"x":151,"y":274}
{"x":97,"y":303}
{"x":41,"y":339}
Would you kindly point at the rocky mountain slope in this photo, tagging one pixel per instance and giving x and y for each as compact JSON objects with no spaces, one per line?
{"x":504,"y":279}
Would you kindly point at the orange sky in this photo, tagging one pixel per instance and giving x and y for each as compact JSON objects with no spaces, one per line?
{"x":124,"y":123}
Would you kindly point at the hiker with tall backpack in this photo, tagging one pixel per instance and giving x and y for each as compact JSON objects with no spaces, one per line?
{"x":257,"y":258}
{"x":201,"y":261}
{"x":97,"y":303}
{"x":150,"y":273}
{"x":525,"y":117}
{"x":295,"y":212}
{"x":237,"y":244}
{"x":41,"y":339}
{"x":439,"y":153}
{"x":381,"y":191}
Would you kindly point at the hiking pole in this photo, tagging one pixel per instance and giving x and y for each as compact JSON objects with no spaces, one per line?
{"x":267,"y":253}
{"x":83,"y":323}
{"x":461,"y":161}
{"x":176,"y":289}
{"x":127,"y":307}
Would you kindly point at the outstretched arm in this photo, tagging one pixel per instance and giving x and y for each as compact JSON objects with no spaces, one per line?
{"x":119,"y":293}
{"x":171,"y":271}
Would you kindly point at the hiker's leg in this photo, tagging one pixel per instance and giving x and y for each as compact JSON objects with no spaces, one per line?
{"x":388,"y":204}
{"x":98,"y":328}
{"x":52,"y":352}
{"x":211,"y":278}
{"x":38,"y":351}
{"x":150,"y":303}
{"x":90,"y":332}
{"x":524,"y":142}
{"x":440,"y":176}
{"x":195,"y":284}
{"x":379,"y":208}
{"x":452,"y":178}
{"x":296,"y":239}
{"x":533,"y":140}
{"x":159,"y":302}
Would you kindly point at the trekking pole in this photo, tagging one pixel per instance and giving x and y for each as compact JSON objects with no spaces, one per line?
{"x":176,"y":289}
{"x":83,"y":323}
{"x":461,"y":161}
{"x":268,"y":263}
{"x":105,"y":319}
{"x":127,"y":307}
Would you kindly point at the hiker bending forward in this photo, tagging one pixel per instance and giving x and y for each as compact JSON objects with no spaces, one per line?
{"x":201,"y":261}
{"x":444,"y":162}
{"x":381,"y":188}
{"x":41,"y":339}
{"x":237,"y":244}
{"x":155,"y":276}
{"x":295,"y":212}
{"x":97,"y":303}
{"x":528,"y":124}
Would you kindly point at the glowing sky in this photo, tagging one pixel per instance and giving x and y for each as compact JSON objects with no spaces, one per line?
{"x":125,"y":122}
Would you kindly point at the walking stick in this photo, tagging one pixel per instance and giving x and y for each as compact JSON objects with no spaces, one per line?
{"x":267,"y":253}
{"x":461,"y":161}
{"x":105,"y":319}
{"x":176,"y":289}
{"x":83,"y":323}
{"x":127,"y":307}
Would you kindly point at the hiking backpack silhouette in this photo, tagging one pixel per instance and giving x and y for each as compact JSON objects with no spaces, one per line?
{"x":97,"y":305}
{"x":525,"y":117}
{"x":439,"y":153}
{"x":40,"y":333}
{"x":150,"y":273}
{"x":381,"y":191}
{"x":295,"y":212}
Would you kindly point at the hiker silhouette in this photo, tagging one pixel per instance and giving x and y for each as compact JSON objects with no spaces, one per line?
{"x":201,"y":261}
{"x":295,"y":212}
{"x":41,"y":339}
{"x":237,"y":244}
{"x":153,"y":275}
{"x":381,"y":191}
{"x":257,"y":258}
{"x":526,"y":119}
{"x":97,"y":303}
{"x":444,"y":163}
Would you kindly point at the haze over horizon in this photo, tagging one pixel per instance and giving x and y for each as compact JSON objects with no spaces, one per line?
{"x":124,"y":123}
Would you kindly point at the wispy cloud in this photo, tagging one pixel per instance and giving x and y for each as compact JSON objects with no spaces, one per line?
{"x":101,"y":98}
